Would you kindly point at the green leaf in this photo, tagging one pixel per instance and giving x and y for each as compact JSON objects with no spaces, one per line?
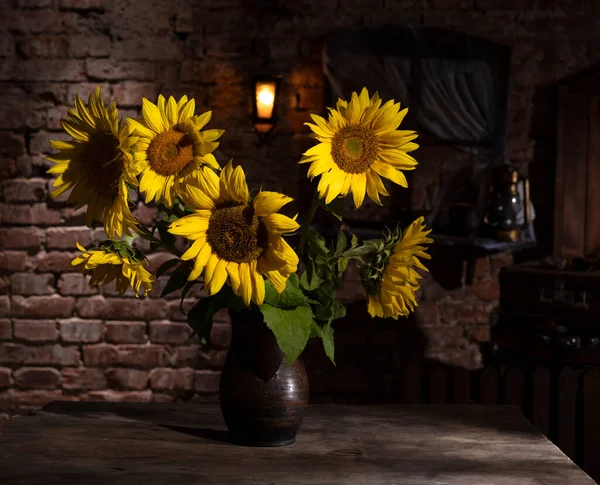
{"x":341,"y":243}
{"x":342,"y":265}
{"x":291,"y":297}
{"x":317,"y":243}
{"x":166,"y":266}
{"x":338,"y":310}
{"x":325,"y":333}
{"x":336,"y":208}
{"x":291,"y":328}
{"x":353,"y":241}
{"x":310,"y":280}
{"x":200,"y":317}
{"x":177,"y":280}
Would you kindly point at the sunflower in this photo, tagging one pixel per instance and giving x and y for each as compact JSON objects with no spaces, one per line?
{"x":115,"y":261}
{"x":171,"y":151}
{"x":238,"y":240}
{"x":96,"y":164}
{"x":359,"y":144}
{"x":393,"y":293}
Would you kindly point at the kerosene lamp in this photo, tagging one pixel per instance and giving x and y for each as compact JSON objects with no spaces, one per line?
{"x":509,"y":202}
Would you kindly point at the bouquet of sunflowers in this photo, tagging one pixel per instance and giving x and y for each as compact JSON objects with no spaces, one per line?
{"x":237,"y":244}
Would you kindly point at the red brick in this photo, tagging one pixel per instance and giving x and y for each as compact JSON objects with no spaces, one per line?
{"x":155,"y":398}
{"x":4,"y":377}
{"x":53,"y":261}
{"x":120,"y":396}
{"x":37,"y":214}
{"x":4,"y":306}
{"x":127,"y":379}
{"x":42,"y":70}
{"x":144,"y":214}
{"x":24,"y":190}
{"x":172,"y":379}
{"x":439,"y":337}
{"x":482,"y":268}
{"x":11,"y":145}
{"x":170,"y":333}
{"x":8,"y":168}
{"x":100,"y":355}
{"x":81,"y":331}
{"x":121,"y":309}
{"x":75,"y":284}
{"x":465,"y":312}
{"x":67,"y":237}
{"x":126,"y":332}
{"x":144,"y":48}
{"x":40,"y":21}
{"x":130,"y":93}
{"x":43,"y":46}
{"x":34,"y":3}
{"x":32,"y":284}
{"x":487,"y":290}
{"x":3,"y":285}
{"x":83,"y":378}
{"x":206,"y":381}
{"x":13,"y":261}
{"x":39,"y":143}
{"x":5,"y":329}
{"x":480,"y":334}
{"x":11,"y":353}
{"x":105,"y":69}
{"x":142,"y":356}
{"x":43,"y":306}
{"x":36,"y":330}
{"x":427,"y":313}
{"x":84,"y":46}
{"x":193,"y":356}
{"x":37,"y":378}
{"x":20,"y":237}
{"x":155,"y":260}
{"x":24,"y":400}
{"x":500,"y":261}
{"x":82,"y":4}
{"x":220,"y":335}
{"x":210,"y":72}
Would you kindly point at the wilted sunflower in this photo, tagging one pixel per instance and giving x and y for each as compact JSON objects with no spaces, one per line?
{"x":359,"y":143}
{"x":392,"y":294}
{"x":237,"y":239}
{"x":115,"y":260}
{"x":96,"y":164}
{"x":172,"y":151}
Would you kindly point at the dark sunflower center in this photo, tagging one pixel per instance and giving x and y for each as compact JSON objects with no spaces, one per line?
{"x":237,"y":234}
{"x":169,"y":152}
{"x":104,"y":161}
{"x":354,"y":148}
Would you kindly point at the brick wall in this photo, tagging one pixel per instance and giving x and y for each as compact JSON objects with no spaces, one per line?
{"x":60,"y":338}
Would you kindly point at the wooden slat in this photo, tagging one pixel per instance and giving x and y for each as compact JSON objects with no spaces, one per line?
{"x":412,"y":384}
{"x":592,"y":224}
{"x":437,"y":386}
{"x":488,"y":386}
{"x":514,"y":383}
{"x":133,"y":443}
{"x":540,"y":408}
{"x":568,"y":384}
{"x":591,"y":423}
{"x":461,"y":389}
{"x":571,"y":172}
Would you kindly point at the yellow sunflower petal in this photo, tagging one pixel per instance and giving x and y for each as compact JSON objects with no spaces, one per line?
{"x":266,"y":203}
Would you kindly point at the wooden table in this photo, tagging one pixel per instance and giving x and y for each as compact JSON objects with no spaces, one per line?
{"x":161,"y":443}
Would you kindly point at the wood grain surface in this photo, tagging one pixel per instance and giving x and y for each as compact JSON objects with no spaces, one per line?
{"x":164,"y":443}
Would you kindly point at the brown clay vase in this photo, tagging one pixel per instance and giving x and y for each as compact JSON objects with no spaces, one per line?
{"x":262,"y":398}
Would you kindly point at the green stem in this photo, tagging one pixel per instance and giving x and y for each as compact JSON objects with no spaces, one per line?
{"x":306,"y":225}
